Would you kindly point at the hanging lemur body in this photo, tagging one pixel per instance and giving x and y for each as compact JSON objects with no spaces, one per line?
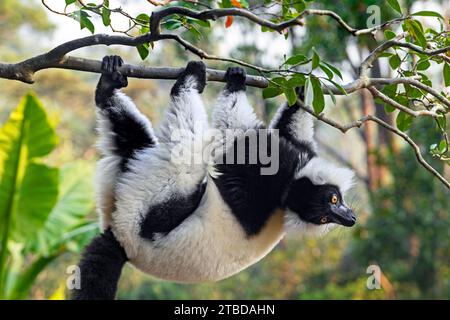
{"x":195,"y":223}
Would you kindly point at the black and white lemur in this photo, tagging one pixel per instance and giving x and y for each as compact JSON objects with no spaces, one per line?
{"x":200,"y":222}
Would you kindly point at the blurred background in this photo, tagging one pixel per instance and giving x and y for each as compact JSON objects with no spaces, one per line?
{"x":403,"y":224}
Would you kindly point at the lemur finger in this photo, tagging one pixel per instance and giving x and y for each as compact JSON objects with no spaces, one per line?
{"x":110,"y":64}
{"x":116,"y":63}
{"x":105,"y":63}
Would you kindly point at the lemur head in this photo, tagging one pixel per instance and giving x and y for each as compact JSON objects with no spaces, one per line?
{"x":316,"y":196}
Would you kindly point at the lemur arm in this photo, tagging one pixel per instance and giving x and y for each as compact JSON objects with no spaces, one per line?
{"x":123,"y":129}
{"x":232,"y":109}
{"x":184,"y":124}
{"x":186,"y":114}
{"x":295,"y":124}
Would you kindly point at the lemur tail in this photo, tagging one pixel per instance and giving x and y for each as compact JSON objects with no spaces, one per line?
{"x":100,"y":268}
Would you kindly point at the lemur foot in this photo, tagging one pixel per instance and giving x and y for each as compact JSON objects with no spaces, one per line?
{"x":235,"y":78}
{"x":195,"y":69}
{"x":112,"y":78}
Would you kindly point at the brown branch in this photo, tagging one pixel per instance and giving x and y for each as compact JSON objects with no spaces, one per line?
{"x":395,"y":104}
{"x":22,"y":71}
{"x":358,"y":123}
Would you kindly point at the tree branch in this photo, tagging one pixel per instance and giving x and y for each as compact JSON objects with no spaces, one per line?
{"x":358,"y":123}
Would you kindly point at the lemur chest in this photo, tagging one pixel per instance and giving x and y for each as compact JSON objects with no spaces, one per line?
{"x":208,"y":245}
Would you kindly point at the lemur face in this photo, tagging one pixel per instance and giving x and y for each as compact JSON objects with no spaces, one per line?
{"x":318,"y":204}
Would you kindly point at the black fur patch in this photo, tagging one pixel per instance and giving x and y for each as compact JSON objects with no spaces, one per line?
{"x":197,"y":69}
{"x":129,"y":133}
{"x":100,"y":266}
{"x":253,"y":197}
{"x":164,"y":217}
{"x":235,"y":78}
{"x":283,"y":124}
{"x":311,"y":202}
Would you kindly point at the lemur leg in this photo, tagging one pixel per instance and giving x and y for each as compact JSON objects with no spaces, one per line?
{"x":186,"y":113}
{"x":122,"y":130}
{"x":181,"y":137}
{"x":295,"y":124}
{"x":232,"y":109}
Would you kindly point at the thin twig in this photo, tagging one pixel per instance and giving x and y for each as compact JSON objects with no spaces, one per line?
{"x":358,"y":123}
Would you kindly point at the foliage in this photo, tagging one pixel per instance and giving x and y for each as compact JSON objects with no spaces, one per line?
{"x":408,"y":235}
{"x":42,"y":208}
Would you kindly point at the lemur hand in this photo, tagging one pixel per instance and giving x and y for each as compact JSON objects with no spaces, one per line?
{"x":195,"y":69}
{"x":235,"y":78}
{"x":112,"y":78}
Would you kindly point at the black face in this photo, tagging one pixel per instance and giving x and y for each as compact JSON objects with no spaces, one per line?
{"x":319,"y":204}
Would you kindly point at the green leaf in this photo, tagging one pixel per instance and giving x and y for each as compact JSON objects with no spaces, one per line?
{"x":395,"y":61}
{"x":403,"y":121}
{"x":106,"y":17}
{"x":201,"y":23}
{"x":291,"y":96}
{"x":395,"y":5}
{"x":297,"y":80}
{"x":172,"y":24}
{"x":442,"y":146}
{"x":22,"y":286}
{"x":28,"y":189}
{"x":319,"y":100}
{"x":327,"y":71}
{"x":389,"y":34}
{"x":279,"y":80}
{"x":390,"y":90}
{"x":70,"y":2}
{"x":334,"y":69}
{"x":428,"y":14}
{"x":74,"y":203}
{"x":447,"y":74}
{"x":85,"y":22}
{"x":296,"y":59}
{"x":315,"y":60}
{"x":271,"y":92}
{"x":143,"y":18}
{"x":418,"y":33}
{"x":195,"y":32}
{"x":143,"y":50}
{"x":423,"y":64}
{"x":299,"y":6}
{"x":331,"y":94}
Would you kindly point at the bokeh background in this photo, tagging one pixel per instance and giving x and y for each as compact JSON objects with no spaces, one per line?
{"x":403,"y":224}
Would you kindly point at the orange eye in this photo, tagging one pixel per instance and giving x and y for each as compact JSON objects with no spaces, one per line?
{"x":323,"y":220}
{"x":334,"y":199}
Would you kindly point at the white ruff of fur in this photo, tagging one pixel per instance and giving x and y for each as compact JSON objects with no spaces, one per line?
{"x":294,"y":225}
{"x":320,"y":171}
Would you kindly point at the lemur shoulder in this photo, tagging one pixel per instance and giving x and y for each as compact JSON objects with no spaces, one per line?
{"x":198,"y":222}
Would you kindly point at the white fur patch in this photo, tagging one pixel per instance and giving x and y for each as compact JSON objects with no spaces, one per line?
{"x":233,"y":111}
{"x":321,"y":171}
{"x":301,"y":126}
{"x":293,"y":224}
